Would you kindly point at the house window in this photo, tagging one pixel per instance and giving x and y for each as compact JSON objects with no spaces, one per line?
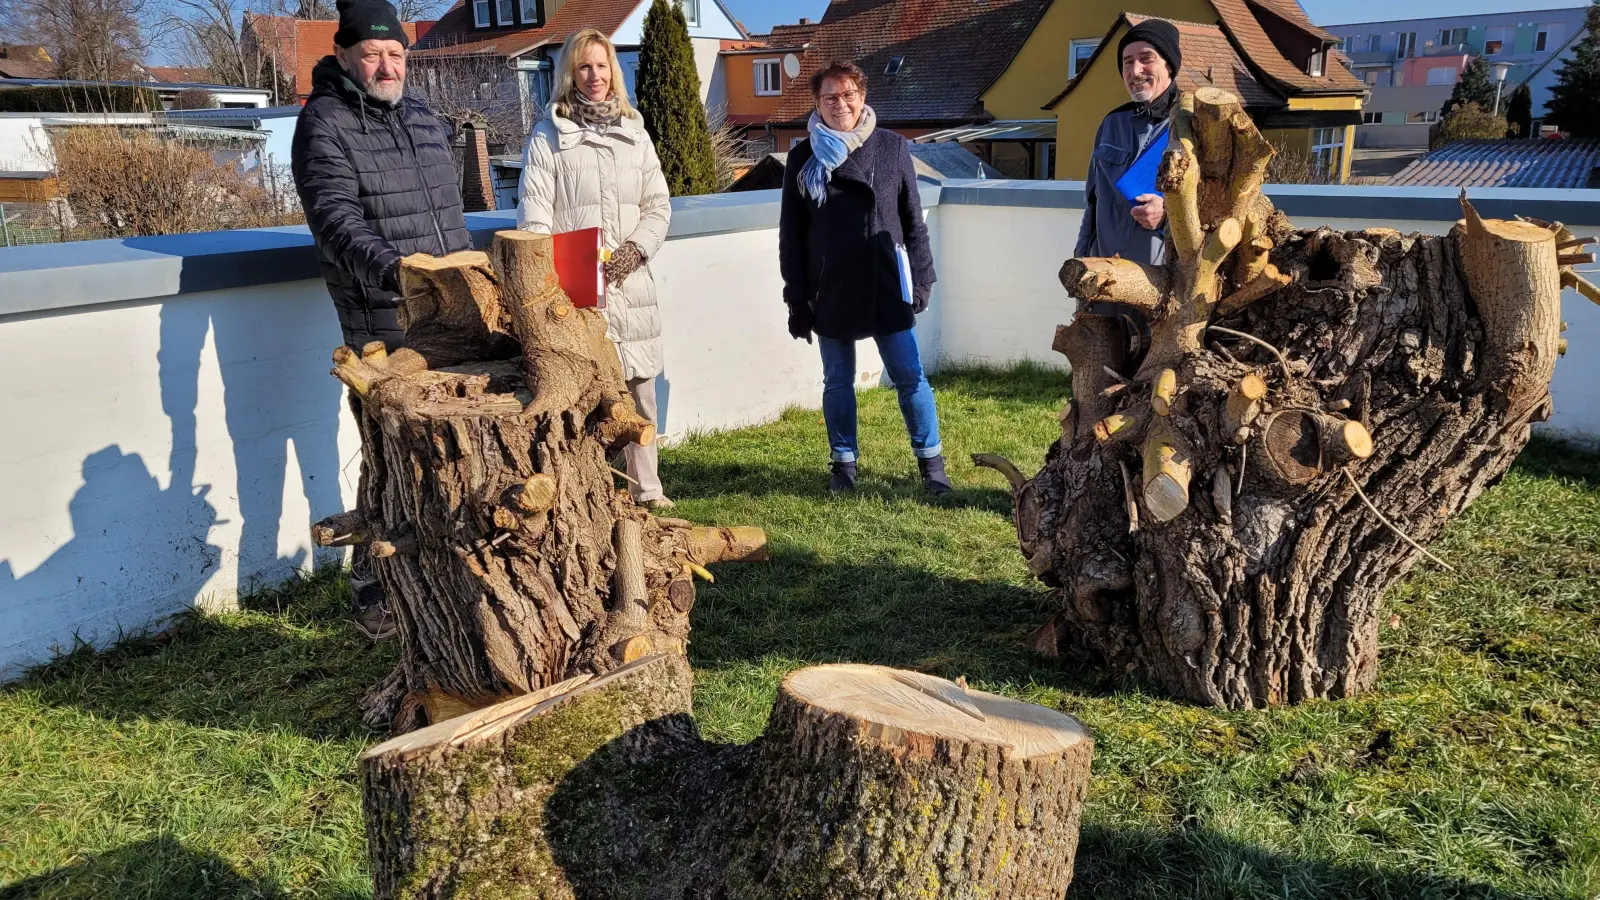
{"x":1541,"y":41}
{"x":480,"y":13}
{"x":1452,"y":37}
{"x":795,"y":141}
{"x":893,"y":68}
{"x":1327,"y":147}
{"x":691,"y":11}
{"x":768,"y":81}
{"x":1375,"y":118}
{"x":1442,"y":75}
{"x":1427,"y":117}
{"x":530,"y":12}
{"x":1406,"y":47}
{"x":507,"y":12}
{"x":1081,"y":50}
{"x":1397,"y":78}
{"x":1496,"y":38}
{"x":1348,"y":45}
{"x":1314,"y":67}
{"x":1492,"y":48}
{"x":1372,"y":78}
{"x":1374,"y":43}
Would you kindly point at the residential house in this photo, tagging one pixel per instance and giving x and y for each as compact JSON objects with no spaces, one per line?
{"x":1282,"y":67}
{"x":294,"y":46}
{"x":1411,"y":65}
{"x":25,"y":61}
{"x":756,"y":75}
{"x":525,"y":36}
{"x":1572,"y":163}
{"x":928,"y":65}
{"x":180,"y":74}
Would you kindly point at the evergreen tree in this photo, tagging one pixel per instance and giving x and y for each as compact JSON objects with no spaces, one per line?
{"x":1575,"y":99}
{"x":1474,"y":86}
{"x":1519,"y":112}
{"x":669,"y":99}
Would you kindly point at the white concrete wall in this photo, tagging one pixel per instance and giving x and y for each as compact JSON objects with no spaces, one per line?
{"x":164,"y":455}
{"x":24,"y":146}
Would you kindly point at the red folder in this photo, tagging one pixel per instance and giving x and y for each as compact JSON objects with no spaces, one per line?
{"x":580,"y":258}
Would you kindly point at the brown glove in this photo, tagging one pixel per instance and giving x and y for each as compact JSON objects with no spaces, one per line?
{"x":624,"y":261}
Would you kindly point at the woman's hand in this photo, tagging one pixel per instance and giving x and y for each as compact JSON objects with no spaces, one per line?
{"x":625,"y":260}
{"x":919,"y":298}
{"x":801,"y":321}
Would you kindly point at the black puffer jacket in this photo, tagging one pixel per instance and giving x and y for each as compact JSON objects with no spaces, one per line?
{"x":377,"y":183}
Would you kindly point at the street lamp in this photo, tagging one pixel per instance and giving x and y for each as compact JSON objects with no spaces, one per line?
{"x":1500,"y":70}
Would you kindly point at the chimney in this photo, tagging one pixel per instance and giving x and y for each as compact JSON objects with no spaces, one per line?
{"x":804,"y":21}
{"x":477,"y":188}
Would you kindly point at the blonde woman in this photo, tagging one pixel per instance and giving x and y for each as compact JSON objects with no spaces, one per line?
{"x":590,"y":164}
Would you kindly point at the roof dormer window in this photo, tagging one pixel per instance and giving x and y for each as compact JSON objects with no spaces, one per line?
{"x":893,"y":68}
{"x":1319,"y":60}
{"x":480,"y":13}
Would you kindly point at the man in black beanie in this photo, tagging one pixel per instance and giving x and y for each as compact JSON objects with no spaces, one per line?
{"x":1123,"y":215}
{"x":378,"y":182}
{"x":1115,"y":224}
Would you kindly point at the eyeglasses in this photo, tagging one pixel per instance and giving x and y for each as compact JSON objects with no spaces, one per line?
{"x":840,"y":99}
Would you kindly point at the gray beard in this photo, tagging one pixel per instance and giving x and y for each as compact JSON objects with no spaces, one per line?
{"x":388,"y":93}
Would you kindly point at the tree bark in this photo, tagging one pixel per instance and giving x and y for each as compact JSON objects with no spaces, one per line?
{"x":1229,"y":524}
{"x":869,"y":782}
{"x":492,"y":516}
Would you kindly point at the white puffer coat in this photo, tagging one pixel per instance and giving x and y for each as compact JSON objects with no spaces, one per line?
{"x":575,"y":177}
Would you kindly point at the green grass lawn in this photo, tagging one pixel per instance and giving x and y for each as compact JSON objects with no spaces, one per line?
{"x":218,"y":760}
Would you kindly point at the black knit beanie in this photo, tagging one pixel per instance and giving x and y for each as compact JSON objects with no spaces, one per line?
{"x":1158,"y":33}
{"x":362,"y":20}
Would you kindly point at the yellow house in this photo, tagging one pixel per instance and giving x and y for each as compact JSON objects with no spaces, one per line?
{"x":1265,"y":51}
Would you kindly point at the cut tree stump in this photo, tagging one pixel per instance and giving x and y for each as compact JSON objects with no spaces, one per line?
{"x":489,"y":509}
{"x":869,"y":782}
{"x":1223,"y":516}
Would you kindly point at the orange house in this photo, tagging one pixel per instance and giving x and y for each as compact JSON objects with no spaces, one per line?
{"x":756,"y":72}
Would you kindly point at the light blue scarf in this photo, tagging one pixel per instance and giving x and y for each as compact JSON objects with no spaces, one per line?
{"x":829,"y":149}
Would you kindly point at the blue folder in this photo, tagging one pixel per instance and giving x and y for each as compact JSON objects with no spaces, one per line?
{"x":1140,"y":178}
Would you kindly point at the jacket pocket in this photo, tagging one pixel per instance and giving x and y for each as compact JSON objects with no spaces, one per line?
{"x":1113,"y":156}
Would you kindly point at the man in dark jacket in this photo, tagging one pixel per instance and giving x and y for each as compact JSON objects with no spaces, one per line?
{"x":375,"y":173}
{"x":378,"y":183}
{"x":1132,"y":227}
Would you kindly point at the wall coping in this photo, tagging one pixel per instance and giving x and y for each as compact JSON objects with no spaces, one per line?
{"x":54,"y":277}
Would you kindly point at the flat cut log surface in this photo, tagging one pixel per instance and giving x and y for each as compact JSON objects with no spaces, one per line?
{"x":869,"y":782}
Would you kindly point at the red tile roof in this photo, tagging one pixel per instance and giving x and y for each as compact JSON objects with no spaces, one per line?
{"x":25,"y":61}
{"x":788,"y":35}
{"x":1209,"y":60}
{"x":1291,"y":12}
{"x":454,"y":35}
{"x":1263,"y":55}
{"x":952,"y":51}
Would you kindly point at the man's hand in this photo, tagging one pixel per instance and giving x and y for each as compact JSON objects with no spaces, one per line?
{"x":1150,"y":212}
{"x":624,"y":261}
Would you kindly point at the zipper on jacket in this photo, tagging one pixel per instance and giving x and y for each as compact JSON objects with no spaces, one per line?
{"x":427,"y":192}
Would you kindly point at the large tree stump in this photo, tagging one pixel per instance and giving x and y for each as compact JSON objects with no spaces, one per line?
{"x":1223,"y":516}
{"x":869,"y":782}
{"x":489,"y":507}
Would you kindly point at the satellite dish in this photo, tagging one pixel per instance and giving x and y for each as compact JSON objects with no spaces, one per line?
{"x":791,"y":65}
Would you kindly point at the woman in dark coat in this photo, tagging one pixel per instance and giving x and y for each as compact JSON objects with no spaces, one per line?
{"x":856,"y":263}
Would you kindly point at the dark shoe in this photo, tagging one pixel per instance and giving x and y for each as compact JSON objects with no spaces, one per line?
{"x":934,"y":480}
{"x":844,"y":478}
{"x":372,"y":615}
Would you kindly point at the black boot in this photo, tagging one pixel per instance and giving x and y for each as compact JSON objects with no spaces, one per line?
{"x":844,"y":478}
{"x":934,"y":480}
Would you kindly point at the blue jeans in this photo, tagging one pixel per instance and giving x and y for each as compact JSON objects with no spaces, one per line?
{"x":904,"y":363}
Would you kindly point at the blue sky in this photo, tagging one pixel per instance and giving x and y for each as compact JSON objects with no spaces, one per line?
{"x":760,"y":15}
